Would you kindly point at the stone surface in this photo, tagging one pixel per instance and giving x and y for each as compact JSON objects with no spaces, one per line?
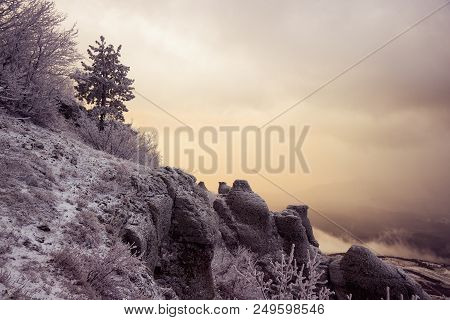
{"x":247,"y":206}
{"x":173,"y":224}
{"x":223,"y":188}
{"x":365,"y":276}
{"x":246,"y":220}
{"x":292,"y":231}
{"x":302,"y":212}
{"x":202,"y":185}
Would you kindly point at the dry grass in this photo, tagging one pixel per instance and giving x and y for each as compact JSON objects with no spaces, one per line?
{"x":121,"y":140}
{"x":41,"y":185}
{"x":12,"y":289}
{"x":113,"y":274}
{"x":85,"y":231}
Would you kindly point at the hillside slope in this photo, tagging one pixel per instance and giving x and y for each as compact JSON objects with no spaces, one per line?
{"x":76,"y":223}
{"x":63,"y":208}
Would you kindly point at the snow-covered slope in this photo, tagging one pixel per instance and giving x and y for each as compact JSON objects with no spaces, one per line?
{"x":49,"y":188}
{"x":69,"y":214}
{"x":77,"y":223}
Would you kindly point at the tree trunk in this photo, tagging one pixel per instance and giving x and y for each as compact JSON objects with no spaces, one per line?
{"x":101,"y":123}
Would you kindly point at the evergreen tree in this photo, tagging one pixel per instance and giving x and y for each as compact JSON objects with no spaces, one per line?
{"x":104,"y":84}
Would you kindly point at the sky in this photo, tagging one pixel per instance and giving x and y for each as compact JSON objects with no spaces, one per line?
{"x":378,"y":147}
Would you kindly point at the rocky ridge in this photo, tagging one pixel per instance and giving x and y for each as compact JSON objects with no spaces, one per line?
{"x":167,"y":219}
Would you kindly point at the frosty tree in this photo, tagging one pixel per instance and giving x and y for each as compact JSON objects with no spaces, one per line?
{"x":104,"y":84}
{"x":36,"y":58}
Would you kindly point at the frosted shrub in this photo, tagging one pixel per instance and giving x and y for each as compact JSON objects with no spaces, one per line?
{"x":241,"y":277}
{"x":36,"y":57}
{"x":121,"y":140}
{"x":11,"y":289}
{"x":85,"y":231}
{"x":293,"y":283}
{"x":236,"y":276}
{"x":112,"y":274}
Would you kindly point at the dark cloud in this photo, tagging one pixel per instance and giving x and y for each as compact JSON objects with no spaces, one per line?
{"x":422,"y":231}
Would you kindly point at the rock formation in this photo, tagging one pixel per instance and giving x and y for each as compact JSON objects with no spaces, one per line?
{"x":365,"y":276}
{"x":247,"y":220}
{"x":223,"y":188}
{"x":86,"y":204}
{"x":173,"y":225}
{"x":301,"y":211}
{"x":292,"y":231}
{"x":202,"y":185}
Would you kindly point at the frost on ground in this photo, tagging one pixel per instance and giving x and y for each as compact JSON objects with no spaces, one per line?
{"x":78,"y":223}
{"x":50,"y":195}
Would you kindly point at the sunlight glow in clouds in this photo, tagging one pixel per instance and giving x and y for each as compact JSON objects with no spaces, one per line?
{"x":383,"y":128}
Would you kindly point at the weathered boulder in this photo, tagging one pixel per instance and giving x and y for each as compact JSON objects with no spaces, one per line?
{"x":247,"y":206}
{"x":189,"y":250}
{"x":190,"y":223}
{"x":246,"y":220}
{"x":227,"y":224}
{"x":223,"y":188}
{"x":365,"y":276}
{"x":202,"y":185}
{"x":168,"y":220}
{"x":143,"y":213}
{"x":302,"y":212}
{"x":292,"y":231}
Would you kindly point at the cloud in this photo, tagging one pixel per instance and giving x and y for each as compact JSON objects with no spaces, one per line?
{"x":330,"y":244}
{"x":379,"y":134}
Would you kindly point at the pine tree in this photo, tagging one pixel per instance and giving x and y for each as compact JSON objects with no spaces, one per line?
{"x":104,"y":84}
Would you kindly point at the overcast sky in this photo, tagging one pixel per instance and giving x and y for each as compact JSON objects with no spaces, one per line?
{"x":379,"y":143}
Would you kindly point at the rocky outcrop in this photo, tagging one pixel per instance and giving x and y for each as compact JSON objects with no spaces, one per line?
{"x":85,"y":202}
{"x":293,"y":232}
{"x":246,"y":220}
{"x":301,"y":211}
{"x":186,"y":264}
{"x":168,"y":221}
{"x":363,"y":275}
{"x":223,"y":188}
{"x":202,"y":185}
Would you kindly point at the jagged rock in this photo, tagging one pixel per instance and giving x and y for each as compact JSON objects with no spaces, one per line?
{"x":223,"y":188}
{"x":169,"y":221}
{"x":202,"y":185}
{"x":190,"y":250}
{"x":247,"y":206}
{"x":188,"y":225}
{"x":226,"y":224}
{"x":302,"y":212}
{"x":293,"y":232}
{"x":365,"y":276}
{"x":162,"y":212}
{"x":44,"y":228}
{"x":160,"y":207}
{"x":38,"y":145}
{"x":223,"y":211}
{"x":246,"y":220}
{"x":201,"y":191}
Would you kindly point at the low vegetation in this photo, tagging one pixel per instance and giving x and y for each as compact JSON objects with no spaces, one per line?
{"x":242,"y":276}
{"x":40,"y":81}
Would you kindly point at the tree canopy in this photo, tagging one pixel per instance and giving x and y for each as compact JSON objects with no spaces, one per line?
{"x":104,"y":83}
